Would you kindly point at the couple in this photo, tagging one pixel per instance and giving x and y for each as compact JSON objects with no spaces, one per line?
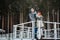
{"x":37,"y":16}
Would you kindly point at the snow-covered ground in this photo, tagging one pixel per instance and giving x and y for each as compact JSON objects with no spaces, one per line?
{"x":10,"y":37}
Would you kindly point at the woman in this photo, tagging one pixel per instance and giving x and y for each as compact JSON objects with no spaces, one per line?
{"x":40,"y":24}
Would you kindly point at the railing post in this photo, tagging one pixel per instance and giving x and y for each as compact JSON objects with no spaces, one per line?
{"x":45,"y":34}
{"x":55,"y":31}
{"x":28,"y":32}
{"x":14,"y":30}
{"x":33,"y":25}
{"x":22,"y":31}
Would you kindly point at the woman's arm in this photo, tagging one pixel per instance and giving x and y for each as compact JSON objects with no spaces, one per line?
{"x":39,"y":17}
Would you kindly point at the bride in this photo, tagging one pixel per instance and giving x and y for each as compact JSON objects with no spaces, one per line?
{"x":40,"y":24}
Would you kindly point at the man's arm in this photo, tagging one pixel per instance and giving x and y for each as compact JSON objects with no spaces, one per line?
{"x":30,"y":16}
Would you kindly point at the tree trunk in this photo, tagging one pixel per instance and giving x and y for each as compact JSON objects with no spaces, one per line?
{"x":11,"y":23}
{"x":8,"y":23}
{"x":2,"y":22}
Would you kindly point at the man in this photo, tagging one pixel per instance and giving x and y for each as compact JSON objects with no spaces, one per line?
{"x":32,"y":16}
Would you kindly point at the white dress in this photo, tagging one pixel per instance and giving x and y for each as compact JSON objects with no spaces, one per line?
{"x":40,"y":25}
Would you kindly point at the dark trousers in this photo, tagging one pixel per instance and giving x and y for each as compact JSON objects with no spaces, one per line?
{"x":35,"y":32}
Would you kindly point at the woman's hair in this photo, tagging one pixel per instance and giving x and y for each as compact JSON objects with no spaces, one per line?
{"x":39,"y":11}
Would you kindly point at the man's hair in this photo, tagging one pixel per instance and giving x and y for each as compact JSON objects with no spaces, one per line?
{"x":32,"y":8}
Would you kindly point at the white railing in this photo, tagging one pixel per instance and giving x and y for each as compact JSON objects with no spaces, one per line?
{"x":52,"y":33}
{"x":24,"y":31}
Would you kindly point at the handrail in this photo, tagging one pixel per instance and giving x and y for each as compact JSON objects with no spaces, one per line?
{"x":42,"y":21}
{"x":1,"y":30}
{"x":45,"y":30}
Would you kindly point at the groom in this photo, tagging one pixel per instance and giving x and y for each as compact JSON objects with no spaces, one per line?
{"x":32,"y":16}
